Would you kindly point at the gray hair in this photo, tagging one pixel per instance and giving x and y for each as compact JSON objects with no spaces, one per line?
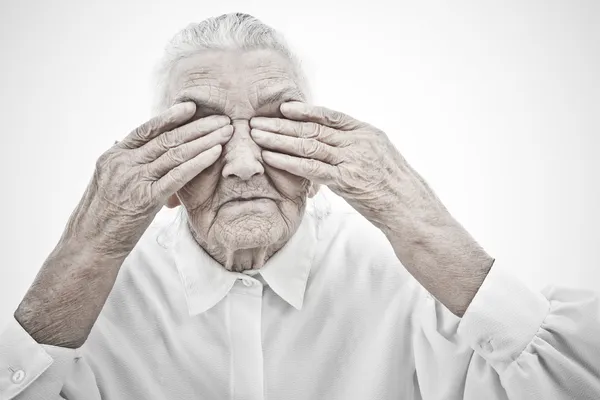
{"x":234,"y":31}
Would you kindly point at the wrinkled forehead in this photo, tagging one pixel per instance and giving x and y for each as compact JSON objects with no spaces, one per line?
{"x":234,"y":82}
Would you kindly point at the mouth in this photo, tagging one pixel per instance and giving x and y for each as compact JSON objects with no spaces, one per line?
{"x":246,"y":199}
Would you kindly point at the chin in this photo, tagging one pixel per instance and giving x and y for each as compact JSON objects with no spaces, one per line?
{"x":260,"y":228}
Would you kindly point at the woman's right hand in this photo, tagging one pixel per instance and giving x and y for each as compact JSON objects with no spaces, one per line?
{"x":134,"y":178}
{"x":131,"y":182}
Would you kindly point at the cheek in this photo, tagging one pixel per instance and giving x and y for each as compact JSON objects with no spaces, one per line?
{"x":202,"y":188}
{"x":289,"y":185}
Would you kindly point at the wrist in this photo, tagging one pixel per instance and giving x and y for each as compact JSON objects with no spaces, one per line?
{"x":443,"y":257}
{"x":97,"y":229}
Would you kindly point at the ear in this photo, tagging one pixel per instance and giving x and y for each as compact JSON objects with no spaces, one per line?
{"x":173,"y":201}
{"x":313,"y":190}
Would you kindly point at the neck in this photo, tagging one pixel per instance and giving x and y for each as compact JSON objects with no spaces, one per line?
{"x":238,"y":260}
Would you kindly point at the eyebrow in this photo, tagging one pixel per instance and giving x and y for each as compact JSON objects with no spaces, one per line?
{"x":213,"y":108}
{"x":277,"y":96}
{"x":264,"y":98}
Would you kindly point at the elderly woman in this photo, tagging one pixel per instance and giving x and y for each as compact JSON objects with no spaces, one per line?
{"x":259,"y":292}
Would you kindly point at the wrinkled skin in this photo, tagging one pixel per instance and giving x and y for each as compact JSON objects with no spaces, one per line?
{"x":292,"y":144}
{"x":240,"y":234}
{"x":209,"y":160}
{"x":131,"y":182}
{"x":206,"y":159}
{"x":358,"y":162}
{"x":354,"y":159}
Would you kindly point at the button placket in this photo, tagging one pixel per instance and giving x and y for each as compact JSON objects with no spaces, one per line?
{"x":245,"y":316}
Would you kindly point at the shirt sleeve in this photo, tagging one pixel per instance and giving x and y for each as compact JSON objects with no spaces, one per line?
{"x":526,"y":344}
{"x":29,"y":370}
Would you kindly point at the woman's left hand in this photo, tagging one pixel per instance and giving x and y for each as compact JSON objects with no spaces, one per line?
{"x":354,"y":159}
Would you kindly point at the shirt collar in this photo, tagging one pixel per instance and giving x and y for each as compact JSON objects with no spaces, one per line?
{"x":206,"y":282}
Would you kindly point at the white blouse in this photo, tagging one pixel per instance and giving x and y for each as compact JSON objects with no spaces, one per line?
{"x":333,"y":315}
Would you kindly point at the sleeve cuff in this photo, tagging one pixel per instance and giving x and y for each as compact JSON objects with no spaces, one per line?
{"x":23,"y":360}
{"x":503,"y":317}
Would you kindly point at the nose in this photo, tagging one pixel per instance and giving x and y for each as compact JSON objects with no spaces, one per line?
{"x":242,"y":154}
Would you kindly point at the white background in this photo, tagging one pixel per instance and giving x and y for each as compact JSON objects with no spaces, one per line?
{"x":496,"y":104}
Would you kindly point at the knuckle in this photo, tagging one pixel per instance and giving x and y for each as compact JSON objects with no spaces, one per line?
{"x":174,"y":138}
{"x":144,"y":131}
{"x":153,"y":125}
{"x":146,"y":172}
{"x":310,"y":130}
{"x":334,"y":117}
{"x":164,"y":141}
{"x":168,"y":118}
{"x":310,"y":166}
{"x":167,"y":159}
{"x":180,"y":153}
{"x":141,"y":131}
{"x":106,"y":160}
{"x":310,"y":147}
{"x":176,"y":175}
{"x":176,"y":154}
{"x":102,"y":161}
{"x":336,"y":157}
{"x":148,"y":198}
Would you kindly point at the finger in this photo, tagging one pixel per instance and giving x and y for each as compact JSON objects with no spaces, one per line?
{"x":308,"y":148}
{"x":314,"y":170}
{"x":305,"y":112}
{"x":180,"y":135}
{"x":176,"y":178}
{"x":187,"y":151}
{"x":300,"y":129}
{"x":170,"y":119}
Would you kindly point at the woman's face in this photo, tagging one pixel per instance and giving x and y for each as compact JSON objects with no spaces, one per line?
{"x":239,"y":202}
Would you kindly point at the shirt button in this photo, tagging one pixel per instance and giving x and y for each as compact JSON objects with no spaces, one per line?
{"x":247,"y":282}
{"x":18,"y":376}
{"x":487,"y":346}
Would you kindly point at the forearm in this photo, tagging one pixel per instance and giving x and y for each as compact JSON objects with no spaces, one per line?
{"x":435,"y":248}
{"x":68,"y":293}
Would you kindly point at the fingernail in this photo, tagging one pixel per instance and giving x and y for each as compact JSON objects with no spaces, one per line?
{"x":257,"y":133}
{"x":187,"y":106}
{"x":291,"y":105}
{"x":227,"y":130}
{"x":223,"y":120}
{"x":256,"y":121}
